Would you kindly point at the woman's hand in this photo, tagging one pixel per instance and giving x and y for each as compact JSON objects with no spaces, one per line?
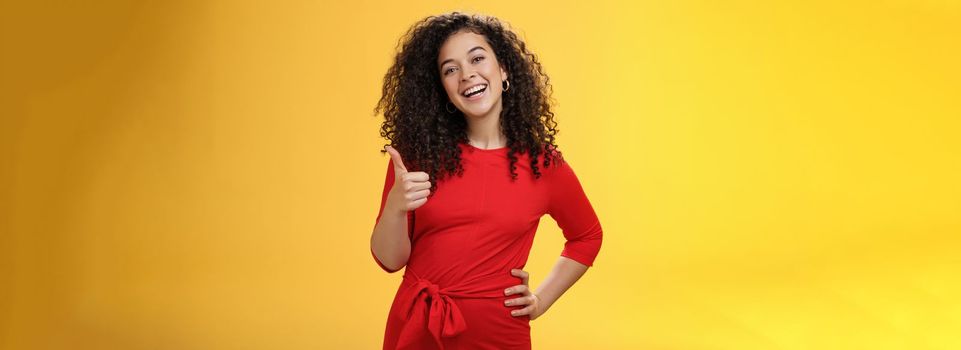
{"x":410,"y":188}
{"x":534,"y":307}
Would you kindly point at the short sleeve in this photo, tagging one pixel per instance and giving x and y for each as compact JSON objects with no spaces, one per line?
{"x":569,"y":206}
{"x":388,"y":184}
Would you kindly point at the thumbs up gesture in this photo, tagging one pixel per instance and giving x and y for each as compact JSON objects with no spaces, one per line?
{"x":410,"y":187}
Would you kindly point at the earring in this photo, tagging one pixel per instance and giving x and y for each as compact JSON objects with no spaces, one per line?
{"x":447,"y":107}
{"x":506,"y":85}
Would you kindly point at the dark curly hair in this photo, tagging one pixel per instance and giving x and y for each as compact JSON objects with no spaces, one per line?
{"x":417,"y":123}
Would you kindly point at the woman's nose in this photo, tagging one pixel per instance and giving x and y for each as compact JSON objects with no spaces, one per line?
{"x":467,"y":76}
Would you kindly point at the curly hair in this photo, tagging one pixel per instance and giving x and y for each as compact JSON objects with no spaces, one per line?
{"x":417,"y":123}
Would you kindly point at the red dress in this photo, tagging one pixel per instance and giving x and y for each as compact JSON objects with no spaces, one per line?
{"x":466,"y":239}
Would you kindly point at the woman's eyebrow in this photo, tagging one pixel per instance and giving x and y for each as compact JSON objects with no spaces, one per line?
{"x":468,"y":52}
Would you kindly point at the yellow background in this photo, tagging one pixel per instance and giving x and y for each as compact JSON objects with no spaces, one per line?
{"x":205,"y":174}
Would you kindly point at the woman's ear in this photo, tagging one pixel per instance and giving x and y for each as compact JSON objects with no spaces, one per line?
{"x":503,"y":73}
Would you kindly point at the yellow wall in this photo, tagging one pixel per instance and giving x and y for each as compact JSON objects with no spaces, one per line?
{"x":205,"y":174}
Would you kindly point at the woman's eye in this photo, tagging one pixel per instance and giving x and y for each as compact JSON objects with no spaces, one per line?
{"x":448,"y":70}
{"x":478,"y":58}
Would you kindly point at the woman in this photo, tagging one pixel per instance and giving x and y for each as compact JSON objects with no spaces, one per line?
{"x":473,"y":166}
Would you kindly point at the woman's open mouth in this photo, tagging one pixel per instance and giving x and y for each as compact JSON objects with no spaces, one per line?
{"x":475,"y":93}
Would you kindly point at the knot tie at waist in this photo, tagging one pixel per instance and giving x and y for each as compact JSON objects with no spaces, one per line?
{"x":433,"y":313}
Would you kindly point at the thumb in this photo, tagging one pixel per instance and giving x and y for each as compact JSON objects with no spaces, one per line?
{"x":398,"y":161}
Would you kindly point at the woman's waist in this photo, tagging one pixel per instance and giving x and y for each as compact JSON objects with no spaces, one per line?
{"x":482,"y":285}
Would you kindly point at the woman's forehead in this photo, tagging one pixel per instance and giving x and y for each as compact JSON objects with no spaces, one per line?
{"x":460,"y":43}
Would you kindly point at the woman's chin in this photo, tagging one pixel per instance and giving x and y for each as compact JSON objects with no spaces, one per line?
{"x":478,"y":111}
{"x":476,"y":114}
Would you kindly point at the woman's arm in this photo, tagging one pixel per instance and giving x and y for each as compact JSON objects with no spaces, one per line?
{"x":569,"y":206}
{"x":403,"y":191}
{"x":389,"y":241}
{"x":565,"y":273}
{"x":561,"y":277}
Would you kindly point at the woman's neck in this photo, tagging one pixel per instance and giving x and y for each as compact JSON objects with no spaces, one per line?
{"x":485,"y":131}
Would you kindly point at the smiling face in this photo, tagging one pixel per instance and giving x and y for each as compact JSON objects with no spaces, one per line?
{"x":471,"y":75}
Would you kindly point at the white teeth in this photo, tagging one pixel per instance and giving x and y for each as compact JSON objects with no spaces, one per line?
{"x":474,"y":89}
